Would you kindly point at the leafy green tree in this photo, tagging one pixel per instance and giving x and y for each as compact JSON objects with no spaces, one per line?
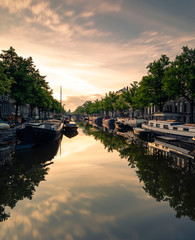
{"x":179,"y":79}
{"x":20,"y":70}
{"x":96,"y":107}
{"x":79,"y":110}
{"x":28,"y":86}
{"x":151,"y":86}
{"x":5,"y":82}
{"x":109,"y":102}
{"x":121,"y":105}
{"x":88,"y":107}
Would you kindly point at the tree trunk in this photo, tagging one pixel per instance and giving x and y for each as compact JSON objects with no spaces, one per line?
{"x":31,"y":110}
{"x":133,"y":110}
{"x":161,"y":107}
{"x":39,"y":114}
{"x":192,"y":110}
{"x":16,"y":113}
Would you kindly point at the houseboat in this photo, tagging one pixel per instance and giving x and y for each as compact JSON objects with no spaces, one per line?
{"x":171,"y":127}
{"x":108,"y":123}
{"x":131,"y":122}
{"x":39,"y":133}
{"x":70,"y":126}
{"x":6,"y":135}
{"x":97,"y":121}
{"x":119,"y":126}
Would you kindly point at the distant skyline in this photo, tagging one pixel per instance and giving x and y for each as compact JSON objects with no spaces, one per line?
{"x":93,"y":47}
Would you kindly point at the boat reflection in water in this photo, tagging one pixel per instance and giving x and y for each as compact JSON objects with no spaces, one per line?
{"x":22,"y":172}
{"x":166,"y":168}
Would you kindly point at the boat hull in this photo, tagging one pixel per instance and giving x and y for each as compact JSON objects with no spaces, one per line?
{"x":109,"y":123}
{"x":169,"y":132}
{"x":121,"y":127}
{"x":31,"y":136}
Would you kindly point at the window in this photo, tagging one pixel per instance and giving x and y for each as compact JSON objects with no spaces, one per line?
{"x":166,"y":126}
{"x":157,"y":125}
{"x":175,"y":128}
{"x":151,"y":124}
{"x":186,"y":129}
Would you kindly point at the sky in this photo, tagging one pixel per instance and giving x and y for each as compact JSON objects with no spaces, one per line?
{"x":93,"y":47}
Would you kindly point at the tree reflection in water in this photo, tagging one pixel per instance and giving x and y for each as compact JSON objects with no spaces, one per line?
{"x":163,"y":179}
{"x":21,"y":173}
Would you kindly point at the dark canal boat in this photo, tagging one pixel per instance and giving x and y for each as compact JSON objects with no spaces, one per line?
{"x":39,"y":133}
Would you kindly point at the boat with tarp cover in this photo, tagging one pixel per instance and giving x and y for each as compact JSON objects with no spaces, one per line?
{"x":39,"y":133}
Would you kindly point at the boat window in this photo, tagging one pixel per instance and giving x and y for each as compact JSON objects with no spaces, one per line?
{"x":166,"y":126}
{"x":158,"y":125}
{"x":151,"y":124}
{"x":186,"y":129}
{"x":175,"y":128}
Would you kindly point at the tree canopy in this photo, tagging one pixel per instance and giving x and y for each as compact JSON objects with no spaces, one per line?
{"x":164,"y":81}
{"x":20,"y":78}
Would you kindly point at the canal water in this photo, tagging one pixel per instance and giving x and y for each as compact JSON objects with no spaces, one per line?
{"x":96,"y":185}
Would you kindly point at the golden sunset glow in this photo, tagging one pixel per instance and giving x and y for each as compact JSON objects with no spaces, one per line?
{"x":92,"y":48}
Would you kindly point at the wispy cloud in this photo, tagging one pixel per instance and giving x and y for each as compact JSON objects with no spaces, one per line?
{"x":16,"y":6}
{"x":73,"y":47}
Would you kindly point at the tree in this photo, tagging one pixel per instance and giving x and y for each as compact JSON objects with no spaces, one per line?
{"x":179,"y":79}
{"x":87,"y":106}
{"x":20,"y":70}
{"x":120,"y":104}
{"x":109,"y":102}
{"x":151,"y":86}
{"x":129,"y":96}
{"x":5,"y":82}
{"x":28,"y":86}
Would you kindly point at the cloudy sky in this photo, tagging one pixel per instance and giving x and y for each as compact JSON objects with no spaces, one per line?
{"x":93,"y":47}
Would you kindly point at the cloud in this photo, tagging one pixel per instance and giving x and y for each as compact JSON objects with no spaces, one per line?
{"x":71,"y":102}
{"x":99,"y":8}
{"x":69,"y":45}
{"x":16,"y":6}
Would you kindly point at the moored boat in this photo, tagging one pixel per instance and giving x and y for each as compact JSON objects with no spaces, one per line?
{"x":171,"y":127}
{"x":119,"y":126}
{"x":131,"y":122}
{"x":6,"y":135}
{"x":108,"y":123}
{"x":144,"y":134}
{"x":70,"y":126}
{"x":97,"y":121}
{"x":39,"y":133}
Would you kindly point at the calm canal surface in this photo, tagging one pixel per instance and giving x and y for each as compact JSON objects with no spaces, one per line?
{"x":95,"y":186}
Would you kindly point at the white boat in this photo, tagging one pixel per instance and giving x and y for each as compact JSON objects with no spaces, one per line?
{"x":4,"y":125}
{"x":171,"y":127}
{"x":6,"y":135}
{"x":141,"y":131}
{"x":131,"y":122}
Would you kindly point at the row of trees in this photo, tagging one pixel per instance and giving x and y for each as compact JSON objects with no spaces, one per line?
{"x":23,"y":82}
{"x":164,"y":81}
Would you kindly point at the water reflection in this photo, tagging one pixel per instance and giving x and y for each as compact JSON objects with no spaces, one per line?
{"x":21,"y":173}
{"x":167,"y":171}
